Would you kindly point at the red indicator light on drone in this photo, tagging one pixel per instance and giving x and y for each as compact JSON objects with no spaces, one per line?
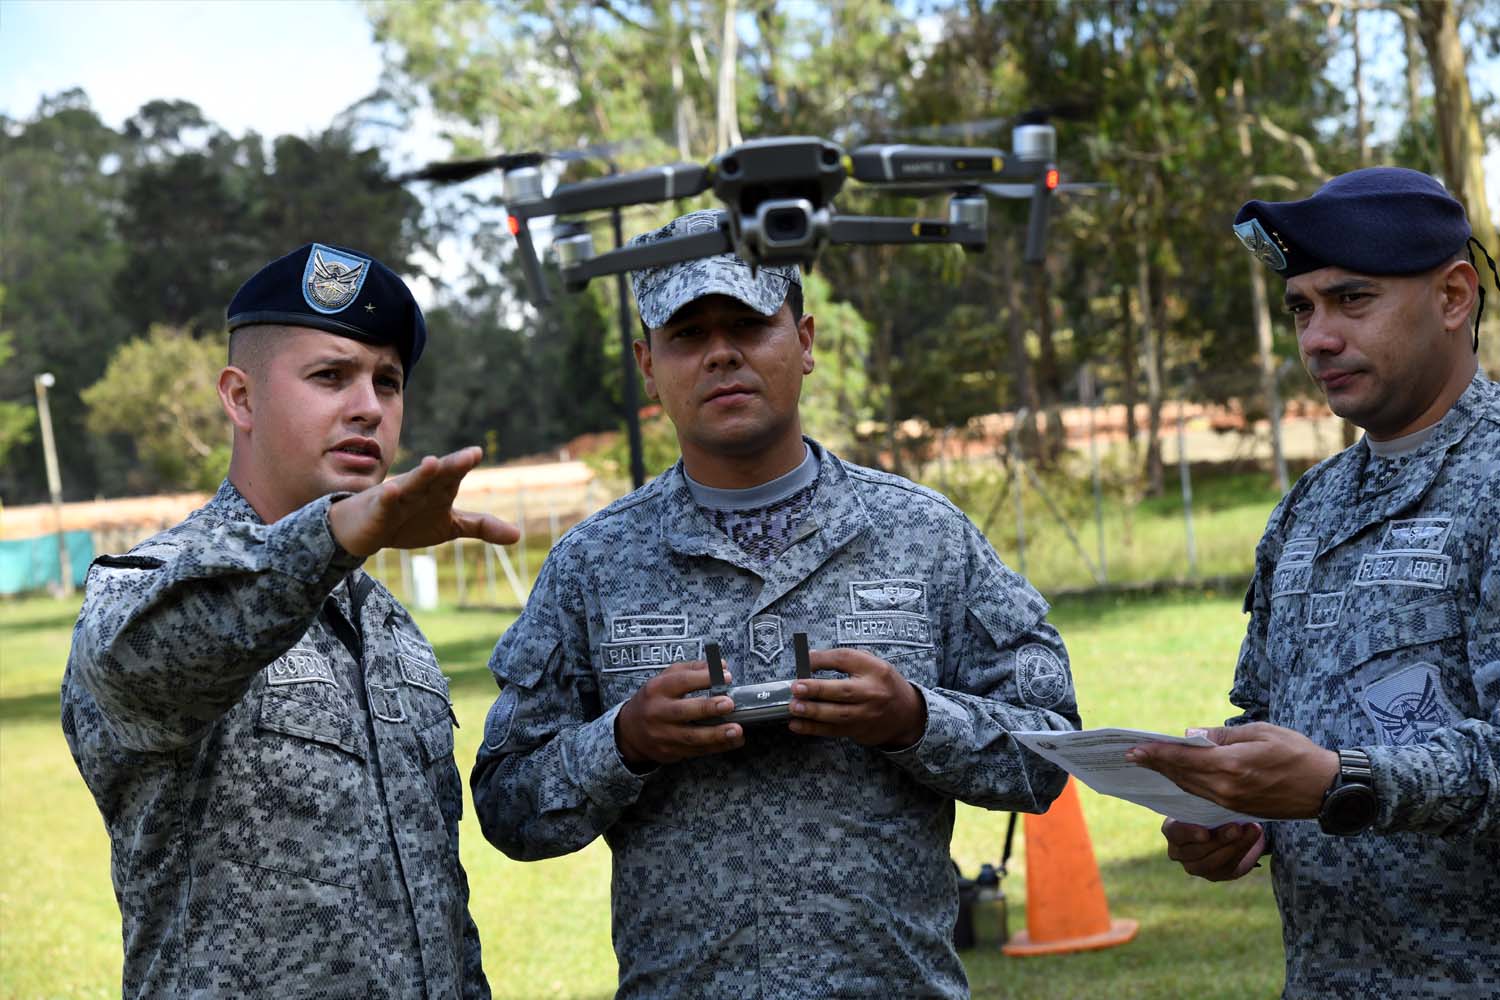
{"x":1051,"y":179}
{"x":514,"y":224}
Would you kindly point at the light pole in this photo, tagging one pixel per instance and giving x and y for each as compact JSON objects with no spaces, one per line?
{"x":43,"y":382}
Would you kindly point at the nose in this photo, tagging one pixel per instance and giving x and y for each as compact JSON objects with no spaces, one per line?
{"x":723,"y":353}
{"x":1319,"y":334}
{"x":362,"y":404}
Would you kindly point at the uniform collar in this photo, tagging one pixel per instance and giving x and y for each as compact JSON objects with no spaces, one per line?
{"x":836,"y":515}
{"x":1382,"y":500}
{"x":230,"y":504}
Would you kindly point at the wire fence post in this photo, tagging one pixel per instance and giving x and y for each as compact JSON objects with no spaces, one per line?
{"x":1091,"y":401}
{"x":1187,"y":488}
{"x":458,"y":569}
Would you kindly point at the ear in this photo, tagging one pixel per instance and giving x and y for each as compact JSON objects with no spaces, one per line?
{"x":234,"y":396}
{"x":643,"y":362}
{"x":805,"y":333}
{"x":1458,"y":289}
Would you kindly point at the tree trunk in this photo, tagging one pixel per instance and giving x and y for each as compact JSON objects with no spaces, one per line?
{"x":728,"y":132}
{"x":1049,"y":378}
{"x":1151,"y":343}
{"x":1458,"y":132}
{"x":1261,"y":306}
{"x":1128,"y":373}
{"x":1024,"y":390}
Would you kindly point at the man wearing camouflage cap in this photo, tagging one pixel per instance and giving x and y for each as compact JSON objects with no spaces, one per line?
{"x":789,"y":858}
{"x":1370,"y":676}
{"x":264,"y":728}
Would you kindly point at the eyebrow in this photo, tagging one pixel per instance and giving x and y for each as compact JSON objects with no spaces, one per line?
{"x":1331,"y":291}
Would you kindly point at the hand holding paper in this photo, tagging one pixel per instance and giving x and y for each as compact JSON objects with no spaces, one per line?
{"x":1097,"y":757}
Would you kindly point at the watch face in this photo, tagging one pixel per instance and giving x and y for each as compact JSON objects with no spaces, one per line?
{"x":1348,"y":809}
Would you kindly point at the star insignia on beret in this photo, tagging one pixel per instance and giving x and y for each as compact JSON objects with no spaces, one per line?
{"x":369,"y":307}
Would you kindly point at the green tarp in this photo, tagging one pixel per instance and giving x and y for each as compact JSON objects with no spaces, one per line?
{"x":31,"y":563}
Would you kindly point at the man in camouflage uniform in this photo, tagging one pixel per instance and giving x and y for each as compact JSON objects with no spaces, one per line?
{"x":1370,"y":676}
{"x":781,"y":859}
{"x":263,"y":727}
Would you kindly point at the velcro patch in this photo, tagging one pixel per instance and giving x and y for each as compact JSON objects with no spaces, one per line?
{"x":1408,"y":705}
{"x":1419,"y":534}
{"x":622,"y":657}
{"x":1040,"y":676}
{"x":766,"y":639}
{"x":1291,"y":579}
{"x":1410,"y":569}
{"x":423,"y":673}
{"x":1298,"y":550}
{"x":634,"y":628}
{"x":895,"y":629}
{"x":877,"y":597}
{"x":299,"y":668}
{"x":1324,"y":610}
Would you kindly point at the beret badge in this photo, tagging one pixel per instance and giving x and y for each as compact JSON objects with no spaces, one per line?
{"x":332,"y":278}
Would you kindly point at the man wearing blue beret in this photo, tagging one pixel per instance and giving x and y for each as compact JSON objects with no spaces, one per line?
{"x":1370,"y":675}
{"x":264,"y":728}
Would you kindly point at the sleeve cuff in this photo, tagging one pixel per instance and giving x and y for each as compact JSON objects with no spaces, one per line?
{"x":946,"y":724}
{"x":302,"y":545}
{"x":597,"y":766}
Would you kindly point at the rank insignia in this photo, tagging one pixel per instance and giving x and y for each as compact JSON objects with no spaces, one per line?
{"x":766,"y":639}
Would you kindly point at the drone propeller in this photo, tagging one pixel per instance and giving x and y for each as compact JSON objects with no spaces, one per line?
{"x":457,"y":171}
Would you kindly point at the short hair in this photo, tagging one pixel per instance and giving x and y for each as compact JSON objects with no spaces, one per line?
{"x":250,"y":347}
{"x":793,"y":299}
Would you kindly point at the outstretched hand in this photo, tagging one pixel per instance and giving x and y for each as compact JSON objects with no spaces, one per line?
{"x":415,"y":509}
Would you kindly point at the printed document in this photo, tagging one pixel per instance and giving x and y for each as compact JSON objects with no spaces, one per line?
{"x":1096,"y":757}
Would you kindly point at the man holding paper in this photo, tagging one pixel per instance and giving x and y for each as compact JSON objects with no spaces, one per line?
{"x":1370,"y":674}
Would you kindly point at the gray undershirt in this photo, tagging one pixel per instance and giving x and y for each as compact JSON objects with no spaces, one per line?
{"x":1397,"y":447}
{"x":762,"y":520}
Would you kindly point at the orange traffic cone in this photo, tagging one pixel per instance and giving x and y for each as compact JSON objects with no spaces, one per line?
{"x":1065,"y":905}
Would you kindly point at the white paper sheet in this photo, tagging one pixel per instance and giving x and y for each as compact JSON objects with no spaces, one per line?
{"x":1096,"y":757}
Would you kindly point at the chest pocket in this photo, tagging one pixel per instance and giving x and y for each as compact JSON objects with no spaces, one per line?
{"x":327,"y":722}
{"x":425,"y":682}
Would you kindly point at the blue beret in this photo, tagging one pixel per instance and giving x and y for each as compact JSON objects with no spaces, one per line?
{"x":1380,"y":220}
{"x":337,"y":290}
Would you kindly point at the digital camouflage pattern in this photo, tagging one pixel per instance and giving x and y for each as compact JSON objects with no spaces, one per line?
{"x":1375,"y":623}
{"x":279,"y":825}
{"x":794,"y":866}
{"x":661,"y":291}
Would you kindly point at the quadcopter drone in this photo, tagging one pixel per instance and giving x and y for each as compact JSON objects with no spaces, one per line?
{"x":778,"y":200}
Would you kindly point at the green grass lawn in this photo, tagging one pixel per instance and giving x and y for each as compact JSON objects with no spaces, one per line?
{"x":1161,"y":662}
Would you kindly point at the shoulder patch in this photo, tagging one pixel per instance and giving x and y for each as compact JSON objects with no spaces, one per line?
{"x":1040,"y":676}
{"x":501,"y":716}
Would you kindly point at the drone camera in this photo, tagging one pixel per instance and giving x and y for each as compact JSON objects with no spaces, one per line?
{"x":784,"y":231}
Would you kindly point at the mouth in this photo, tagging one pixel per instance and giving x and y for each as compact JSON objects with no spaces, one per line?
{"x":362,"y":451}
{"x":1331,"y":380}
{"x":728,"y":394}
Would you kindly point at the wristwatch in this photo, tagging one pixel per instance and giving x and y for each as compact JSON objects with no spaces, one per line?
{"x":1350,"y":805}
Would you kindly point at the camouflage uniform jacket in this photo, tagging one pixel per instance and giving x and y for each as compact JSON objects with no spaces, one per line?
{"x":1375,"y":623}
{"x":794,"y":866}
{"x":281,"y":822}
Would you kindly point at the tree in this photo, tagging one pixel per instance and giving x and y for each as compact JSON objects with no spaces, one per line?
{"x":16,"y":418}
{"x":158,"y":392}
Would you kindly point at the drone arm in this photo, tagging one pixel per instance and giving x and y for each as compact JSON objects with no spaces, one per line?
{"x":1036,"y":225}
{"x":530,"y":264}
{"x":679,"y":180}
{"x":644,"y":255}
{"x":872,"y":229}
{"x":938,"y":165}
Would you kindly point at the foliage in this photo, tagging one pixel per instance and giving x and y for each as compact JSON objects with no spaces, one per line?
{"x":16,"y":418}
{"x":158,"y":392}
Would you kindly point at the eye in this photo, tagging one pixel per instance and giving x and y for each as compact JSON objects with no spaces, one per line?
{"x":327,"y":374}
{"x":1351,"y":298}
{"x":389,"y":383}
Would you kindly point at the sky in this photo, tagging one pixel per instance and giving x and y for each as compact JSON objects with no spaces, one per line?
{"x":276,"y":66}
